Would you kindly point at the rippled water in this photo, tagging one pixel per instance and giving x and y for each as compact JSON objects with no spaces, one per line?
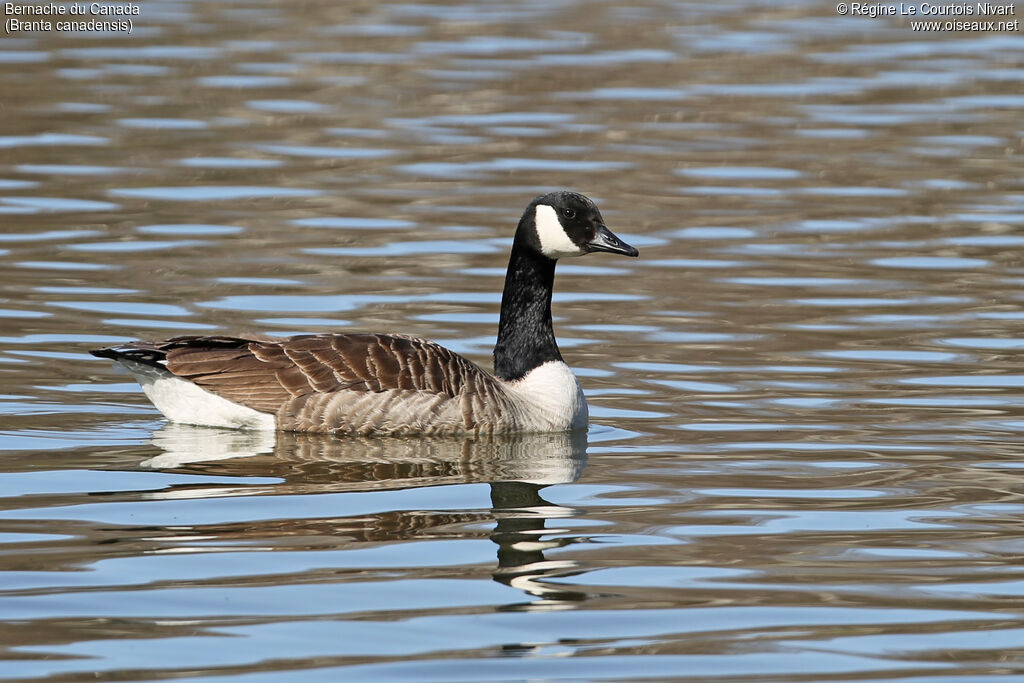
{"x":806,"y":437}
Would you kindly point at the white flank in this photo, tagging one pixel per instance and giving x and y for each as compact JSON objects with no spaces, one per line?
{"x":552,"y":398}
{"x":182,"y":401}
{"x":554,"y":243}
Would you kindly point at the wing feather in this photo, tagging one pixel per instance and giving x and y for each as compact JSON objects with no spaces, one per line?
{"x":311,"y":372}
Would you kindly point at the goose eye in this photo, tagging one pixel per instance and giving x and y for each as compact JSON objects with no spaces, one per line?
{"x":568,"y":213}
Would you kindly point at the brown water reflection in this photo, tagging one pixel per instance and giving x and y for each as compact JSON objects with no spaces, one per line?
{"x":806,"y":395}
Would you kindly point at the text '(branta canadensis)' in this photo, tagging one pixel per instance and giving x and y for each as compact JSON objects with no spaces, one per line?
{"x":362,"y":383}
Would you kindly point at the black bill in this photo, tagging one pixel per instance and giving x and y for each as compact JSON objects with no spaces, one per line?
{"x":605,"y":240}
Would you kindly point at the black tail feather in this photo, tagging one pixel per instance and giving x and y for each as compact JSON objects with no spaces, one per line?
{"x":155,"y":353}
{"x":140,"y":352}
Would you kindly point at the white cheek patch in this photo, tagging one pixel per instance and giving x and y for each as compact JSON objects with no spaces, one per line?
{"x":554,"y":243}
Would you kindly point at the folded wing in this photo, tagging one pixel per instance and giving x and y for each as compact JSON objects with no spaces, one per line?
{"x":342,"y":382}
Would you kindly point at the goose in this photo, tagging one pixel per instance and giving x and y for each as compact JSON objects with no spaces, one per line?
{"x":391,"y":384}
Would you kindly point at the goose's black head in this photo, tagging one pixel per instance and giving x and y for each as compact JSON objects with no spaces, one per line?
{"x":567,"y":224}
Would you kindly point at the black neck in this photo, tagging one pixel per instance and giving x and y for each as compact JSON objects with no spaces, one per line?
{"x":525,"y":337}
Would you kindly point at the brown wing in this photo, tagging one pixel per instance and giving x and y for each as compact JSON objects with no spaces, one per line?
{"x":265,"y":375}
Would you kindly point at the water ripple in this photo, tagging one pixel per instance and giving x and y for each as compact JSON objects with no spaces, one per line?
{"x":212,"y":192}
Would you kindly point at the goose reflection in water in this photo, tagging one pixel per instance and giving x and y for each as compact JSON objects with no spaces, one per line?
{"x":516,"y":467}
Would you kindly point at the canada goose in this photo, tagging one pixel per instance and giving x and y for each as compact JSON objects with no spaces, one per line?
{"x":387,"y":383}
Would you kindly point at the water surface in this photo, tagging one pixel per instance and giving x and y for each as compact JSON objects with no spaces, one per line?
{"x":806,"y":394}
